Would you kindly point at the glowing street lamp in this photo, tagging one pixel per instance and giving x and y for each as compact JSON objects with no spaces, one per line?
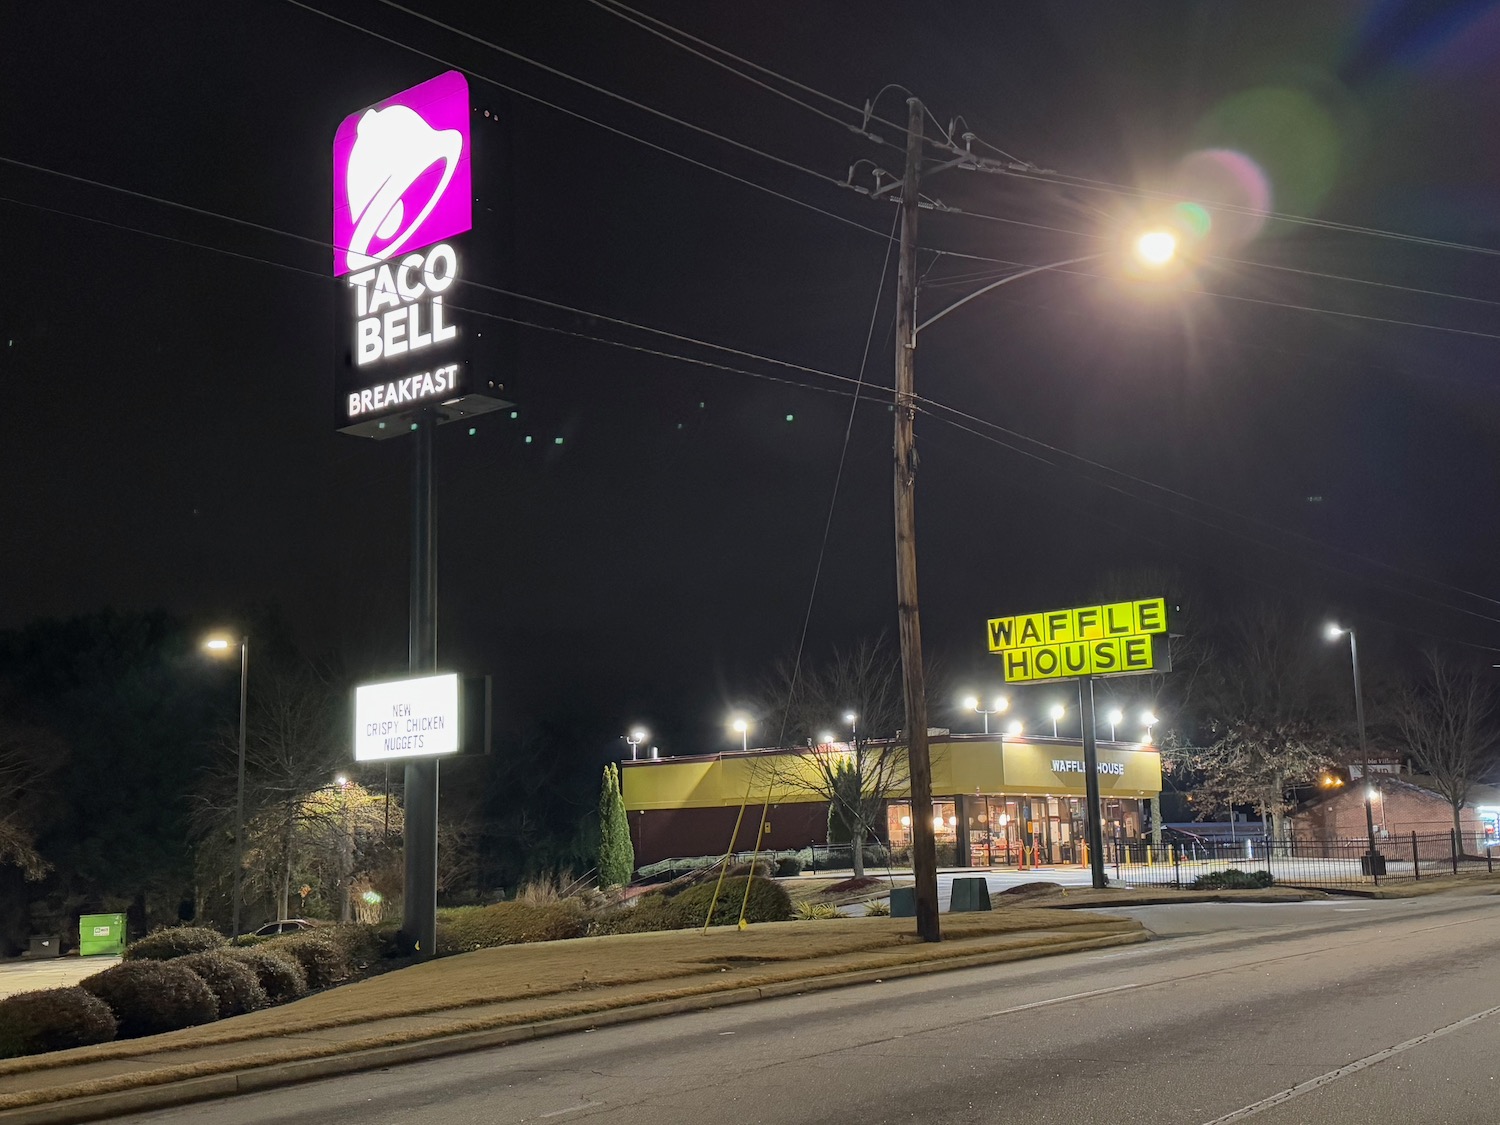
{"x":742,"y":725}
{"x":219,"y":645}
{"x":1114,"y":718}
{"x":1001,"y":704}
{"x":1057,"y":712}
{"x":633,"y":740}
{"x":1333,"y":632}
{"x":1015,"y":728}
{"x":1155,"y":248}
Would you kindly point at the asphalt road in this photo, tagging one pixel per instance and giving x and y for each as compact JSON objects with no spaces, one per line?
{"x":1369,"y":1011}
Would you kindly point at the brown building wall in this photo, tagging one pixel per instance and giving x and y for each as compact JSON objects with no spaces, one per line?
{"x":1399,"y":810}
{"x":660,"y":834}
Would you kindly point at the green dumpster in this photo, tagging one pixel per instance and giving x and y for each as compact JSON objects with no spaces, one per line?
{"x":101,"y":934}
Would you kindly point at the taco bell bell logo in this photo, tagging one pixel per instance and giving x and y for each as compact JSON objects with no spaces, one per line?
{"x":401,"y":176}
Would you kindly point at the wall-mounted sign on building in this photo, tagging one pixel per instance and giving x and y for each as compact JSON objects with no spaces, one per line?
{"x":1117,"y":639}
{"x":403,"y":204}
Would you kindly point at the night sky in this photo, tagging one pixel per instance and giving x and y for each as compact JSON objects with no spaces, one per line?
{"x":168,"y":436}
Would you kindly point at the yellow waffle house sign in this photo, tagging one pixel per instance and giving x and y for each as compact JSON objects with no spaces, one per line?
{"x":1118,"y":639}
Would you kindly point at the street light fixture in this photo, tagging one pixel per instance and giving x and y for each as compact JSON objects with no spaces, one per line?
{"x":1000,"y":705}
{"x":1155,"y":248}
{"x":633,"y":740}
{"x":1057,"y":712}
{"x":742,"y":725}
{"x":1015,"y":728}
{"x":1333,"y":632}
{"x":218,"y":645}
{"x":1114,"y":718}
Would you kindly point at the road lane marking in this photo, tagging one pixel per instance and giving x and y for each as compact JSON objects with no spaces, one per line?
{"x":570,"y":1109}
{"x":1349,"y":1068}
{"x":1070,"y":996}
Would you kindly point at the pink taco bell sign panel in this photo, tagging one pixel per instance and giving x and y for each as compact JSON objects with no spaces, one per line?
{"x":403,"y":199}
{"x":401,"y":175}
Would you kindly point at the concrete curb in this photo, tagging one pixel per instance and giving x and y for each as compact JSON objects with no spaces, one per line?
{"x":68,"y":1111}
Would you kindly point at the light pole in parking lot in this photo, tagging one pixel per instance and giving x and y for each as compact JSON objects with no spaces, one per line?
{"x":218,"y":645}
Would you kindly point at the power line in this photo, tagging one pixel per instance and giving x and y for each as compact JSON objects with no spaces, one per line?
{"x":929,"y":405}
{"x":838,"y":479}
{"x":645,"y":22}
{"x":516,"y":55}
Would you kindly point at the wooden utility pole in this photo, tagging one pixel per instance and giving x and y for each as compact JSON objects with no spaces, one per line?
{"x":923,"y":846}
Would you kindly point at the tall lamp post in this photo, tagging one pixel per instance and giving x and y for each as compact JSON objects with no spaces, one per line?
{"x":1114,"y":718}
{"x":742,"y":726}
{"x":1334,"y":632}
{"x":218,"y":645}
{"x":1000,"y":706}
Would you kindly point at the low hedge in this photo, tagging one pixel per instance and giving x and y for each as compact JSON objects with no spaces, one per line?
{"x":53,"y":1019}
{"x":148,"y":997}
{"x":1232,"y":879}
{"x":768,"y":902}
{"x":511,"y":923}
{"x":323,"y":958}
{"x":175,"y":941}
{"x":235,"y":985}
{"x":648,"y":914}
{"x":279,"y":974}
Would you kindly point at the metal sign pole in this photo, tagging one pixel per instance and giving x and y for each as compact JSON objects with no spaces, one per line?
{"x":419,"y":906}
{"x":1095,"y":827}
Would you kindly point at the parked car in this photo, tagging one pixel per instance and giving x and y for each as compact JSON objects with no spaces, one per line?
{"x":284,"y":926}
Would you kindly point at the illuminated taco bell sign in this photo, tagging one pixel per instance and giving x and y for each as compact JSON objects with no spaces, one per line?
{"x":401,"y":174}
{"x":403,"y":199}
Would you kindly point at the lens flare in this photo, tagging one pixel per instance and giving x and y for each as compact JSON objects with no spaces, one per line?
{"x":1234,"y":182}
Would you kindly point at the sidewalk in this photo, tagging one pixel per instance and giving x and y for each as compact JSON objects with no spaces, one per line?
{"x":496,"y":996}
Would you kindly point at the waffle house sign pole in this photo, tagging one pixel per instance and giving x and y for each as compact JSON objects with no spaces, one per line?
{"x":1115,"y":639}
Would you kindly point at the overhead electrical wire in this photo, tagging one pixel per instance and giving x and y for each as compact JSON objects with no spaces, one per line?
{"x":587,"y":85}
{"x":838,"y":479}
{"x":935,"y":409}
{"x":1019,"y":168}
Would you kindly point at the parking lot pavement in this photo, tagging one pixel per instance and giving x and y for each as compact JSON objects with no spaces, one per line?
{"x":48,"y":972}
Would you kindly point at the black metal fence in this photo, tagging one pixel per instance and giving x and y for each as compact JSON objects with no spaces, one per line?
{"x":1218,"y":863}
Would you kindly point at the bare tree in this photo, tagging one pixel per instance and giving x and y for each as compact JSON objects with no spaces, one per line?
{"x":1268,"y":710}
{"x":852,"y":773}
{"x":1447,"y":716}
{"x":293,"y":750}
{"x":27,"y":755}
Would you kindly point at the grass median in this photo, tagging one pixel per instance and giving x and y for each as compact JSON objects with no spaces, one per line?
{"x":526,"y":984}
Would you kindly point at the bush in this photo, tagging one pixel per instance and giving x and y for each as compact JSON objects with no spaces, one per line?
{"x":878,"y":908}
{"x":148,"y":997}
{"x":363,"y":945}
{"x":788,"y":866}
{"x":811,"y":911}
{"x":235,"y":985}
{"x":648,"y":914}
{"x":1232,"y":879}
{"x":323,"y":959}
{"x":53,"y":1019}
{"x":768,"y":902}
{"x":280,"y":976}
{"x":512,"y":923}
{"x":176,"y":941}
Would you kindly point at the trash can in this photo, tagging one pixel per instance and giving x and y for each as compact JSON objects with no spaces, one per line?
{"x":903,"y":902}
{"x":970,"y":893}
{"x":101,"y":935}
{"x":44,"y":945}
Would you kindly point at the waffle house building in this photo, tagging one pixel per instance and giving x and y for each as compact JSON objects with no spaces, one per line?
{"x":999,"y":800}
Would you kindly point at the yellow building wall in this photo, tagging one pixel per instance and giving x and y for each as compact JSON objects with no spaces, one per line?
{"x":970,"y":766}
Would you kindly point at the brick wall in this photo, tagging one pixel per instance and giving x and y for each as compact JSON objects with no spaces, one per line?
{"x":1399,"y":810}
